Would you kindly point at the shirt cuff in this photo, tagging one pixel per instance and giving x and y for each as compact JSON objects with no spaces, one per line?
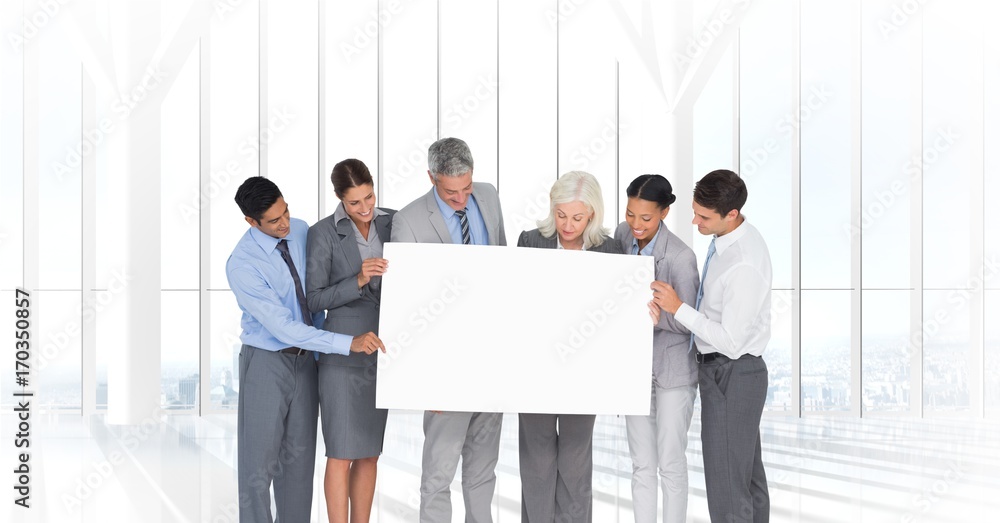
{"x":686,"y":315}
{"x":341,"y":344}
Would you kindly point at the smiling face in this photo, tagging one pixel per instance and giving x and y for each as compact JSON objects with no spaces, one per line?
{"x":359,"y":202}
{"x":571,"y":220}
{"x":454,"y":190}
{"x":643,"y":218}
{"x":274,"y":222}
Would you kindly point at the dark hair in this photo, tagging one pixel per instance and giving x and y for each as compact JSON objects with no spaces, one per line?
{"x":721,"y":190}
{"x":256,"y":195}
{"x":349,"y":173}
{"x":653,"y":188}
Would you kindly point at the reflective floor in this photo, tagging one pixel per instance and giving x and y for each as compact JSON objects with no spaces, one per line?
{"x":181,"y":468}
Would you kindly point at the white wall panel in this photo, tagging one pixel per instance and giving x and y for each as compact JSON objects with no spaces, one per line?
{"x":179,"y":182}
{"x":889,"y":172}
{"x":409,"y":114}
{"x":234,"y":138}
{"x":587,"y":97}
{"x":468,"y":85}
{"x":351,"y":87}
{"x":62,"y":144}
{"x":767,"y":61}
{"x":528,"y":105}
{"x":824,"y":120}
{"x":11,"y":145}
{"x":953,"y":64}
{"x":289,"y":127}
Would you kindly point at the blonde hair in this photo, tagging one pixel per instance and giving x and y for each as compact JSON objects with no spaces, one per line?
{"x":577,"y":186}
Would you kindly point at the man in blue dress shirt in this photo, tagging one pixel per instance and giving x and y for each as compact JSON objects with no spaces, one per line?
{"x":278,"y":398}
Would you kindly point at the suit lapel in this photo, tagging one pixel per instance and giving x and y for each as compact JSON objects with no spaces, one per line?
{"x":489,"y":214}
{"x":660,"y":249}
{"x":382,"y":226}
{"x":349,"y":244}
{"x":437,"y":221}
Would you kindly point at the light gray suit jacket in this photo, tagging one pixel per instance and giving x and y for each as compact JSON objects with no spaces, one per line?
{"x":333,"y":263}
{"x":675,"y":262}
{"x":421,"y":221}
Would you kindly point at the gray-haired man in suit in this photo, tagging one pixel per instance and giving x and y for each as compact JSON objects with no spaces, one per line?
{"x":455,"y":210}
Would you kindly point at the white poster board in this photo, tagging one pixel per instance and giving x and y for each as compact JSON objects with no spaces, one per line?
{"x":501,"y":329}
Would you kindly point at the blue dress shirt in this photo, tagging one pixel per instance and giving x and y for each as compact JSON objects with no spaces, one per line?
{"x":265,"y":292}
{"x":477,"y":226}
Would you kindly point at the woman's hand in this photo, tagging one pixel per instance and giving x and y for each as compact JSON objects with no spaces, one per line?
{"x":371,"y":267}
{"x":654,"y":312}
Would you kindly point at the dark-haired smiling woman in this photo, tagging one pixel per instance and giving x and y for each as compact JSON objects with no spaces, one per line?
{"x":344,"y":279}
{"x":658,"y":441}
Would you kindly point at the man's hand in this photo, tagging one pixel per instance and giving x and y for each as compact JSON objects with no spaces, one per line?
{"x":371,"y":267}
{"x":367,"y":343}
{"x":665,"y":296}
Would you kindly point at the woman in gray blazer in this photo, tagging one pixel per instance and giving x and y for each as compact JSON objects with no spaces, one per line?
{"x":557,"y":466}
{"x":344,"y":277}
{"x":658,"y":442}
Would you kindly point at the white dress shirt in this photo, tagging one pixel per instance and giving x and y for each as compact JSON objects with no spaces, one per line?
{"x":735,"y":315}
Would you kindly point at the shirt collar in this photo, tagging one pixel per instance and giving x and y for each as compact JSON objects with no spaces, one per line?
{"x":266,"y":241}
{"x":724,"y":242}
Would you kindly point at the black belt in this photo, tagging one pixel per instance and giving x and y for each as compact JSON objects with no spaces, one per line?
{"x":712,"y":356}
{"x":294,"y":350}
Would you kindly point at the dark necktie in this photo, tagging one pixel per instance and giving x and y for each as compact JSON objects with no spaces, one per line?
{"x":466,"y":237}
{"x":285,"y":255}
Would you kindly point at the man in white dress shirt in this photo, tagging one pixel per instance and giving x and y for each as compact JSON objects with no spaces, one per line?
{"x":731,"y":325}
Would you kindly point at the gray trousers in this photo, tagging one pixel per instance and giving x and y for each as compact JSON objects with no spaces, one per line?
{"x":473,"y":436}
{"x":732,"y":400}
{"x":276,"y":435}
{"x":557,"y":467}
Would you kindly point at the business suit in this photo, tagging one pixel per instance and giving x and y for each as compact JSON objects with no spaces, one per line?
{"x":658,"y":442}
{"x":557,"y":466}
{"x":473,"y":436}
{"x":352,"y":427}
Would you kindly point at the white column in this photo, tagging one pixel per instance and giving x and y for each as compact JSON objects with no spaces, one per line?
{"x":134,"y":366}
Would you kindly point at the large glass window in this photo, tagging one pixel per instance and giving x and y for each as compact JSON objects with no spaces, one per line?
{"x":887,"y":351}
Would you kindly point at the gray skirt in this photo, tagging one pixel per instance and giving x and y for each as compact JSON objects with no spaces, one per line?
{"x":352,"y":427}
